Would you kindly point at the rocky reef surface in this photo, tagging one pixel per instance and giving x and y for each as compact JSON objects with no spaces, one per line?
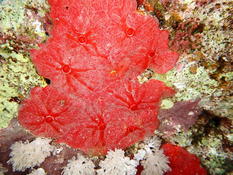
{"x":200,"y":115}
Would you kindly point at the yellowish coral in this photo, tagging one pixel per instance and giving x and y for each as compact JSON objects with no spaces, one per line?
{"x":17,"y":76}
{"x":15,"y":18}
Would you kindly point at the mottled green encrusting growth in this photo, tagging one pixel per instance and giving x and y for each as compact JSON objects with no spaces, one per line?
{"x":189,"y":86}
{"x":21,"y":28}
{"x":206,"y":139}
{"x":204,"y":72}
{"x":17,"y":76}
{"x":17,"y":17}
{"x":210,"y":149}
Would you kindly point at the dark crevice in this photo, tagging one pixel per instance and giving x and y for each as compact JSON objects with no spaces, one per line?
{"x":47,"y":81}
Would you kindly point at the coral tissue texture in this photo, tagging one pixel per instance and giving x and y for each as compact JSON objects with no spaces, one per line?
{"x":181,"y":161}
{"x":93,"y":57}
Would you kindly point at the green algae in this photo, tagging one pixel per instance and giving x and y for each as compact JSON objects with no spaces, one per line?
{"x":227,"y":76}
{"x":21,"y":24}
{"x":19,"y":18}
{"x":199,"y":85}
{"x":192,"y":86}
{"x":17,"y":77}
{"x":213,"y":156}
{"x":11,"y":15}
{"x":189,"y":85}
{"x":166,"y":104}
{"x":220,"y":106}
{"x":209,"y":148}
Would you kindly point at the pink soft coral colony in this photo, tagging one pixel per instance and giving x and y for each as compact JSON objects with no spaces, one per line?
{"x":93,"y":57}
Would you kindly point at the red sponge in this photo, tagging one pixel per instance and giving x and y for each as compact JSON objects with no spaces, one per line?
{"x":182,"y":162}
{"x":47,"y":113}
{"x":93,"y":57}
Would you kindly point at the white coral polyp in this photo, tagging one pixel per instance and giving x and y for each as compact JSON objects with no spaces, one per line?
{"x":140,"y":155}
{"x":29,"y":154}
{"x":153,"y":142}
{"x":3,"y":170}
{"x":150,"y":144}
{"x":155,"y":163}
{"x":39,"y":171}
{"x":116,"y":163}
{"x":79,"y":166}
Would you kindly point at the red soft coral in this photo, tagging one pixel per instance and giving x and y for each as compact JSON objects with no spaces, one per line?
{"x":158,"y":55}
{"x":134,"y":96}
{"x":95,"y":52}
{"x":137,"y":104}
{"x":47,"y":112}
{"x":98,"y":129}
{"x":73,"y":69}
{"x":118,"y":118}
{"x":182,"y":162}
{"x":84,"y":30}
{"x":131,"y":36}
{"x":90,"y":131}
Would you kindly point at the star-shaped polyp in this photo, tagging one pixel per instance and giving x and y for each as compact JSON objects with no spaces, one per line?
{"x":47,"y":112}
{"x":137,"y":105}
{"x":72,"y":70}
{"x":89,"y":133}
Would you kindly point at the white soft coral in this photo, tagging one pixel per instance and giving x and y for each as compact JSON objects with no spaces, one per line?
{"x":155,"y":163}
{"x":39,"y":171}
{"x":29,"y":154}
{"x":153,"y":142}
{"x":2,"y":170}
{"x":116,"y":163}
{"x":152,"y":159}
{"x":79,"y":166}
{"x":150,"y":144}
